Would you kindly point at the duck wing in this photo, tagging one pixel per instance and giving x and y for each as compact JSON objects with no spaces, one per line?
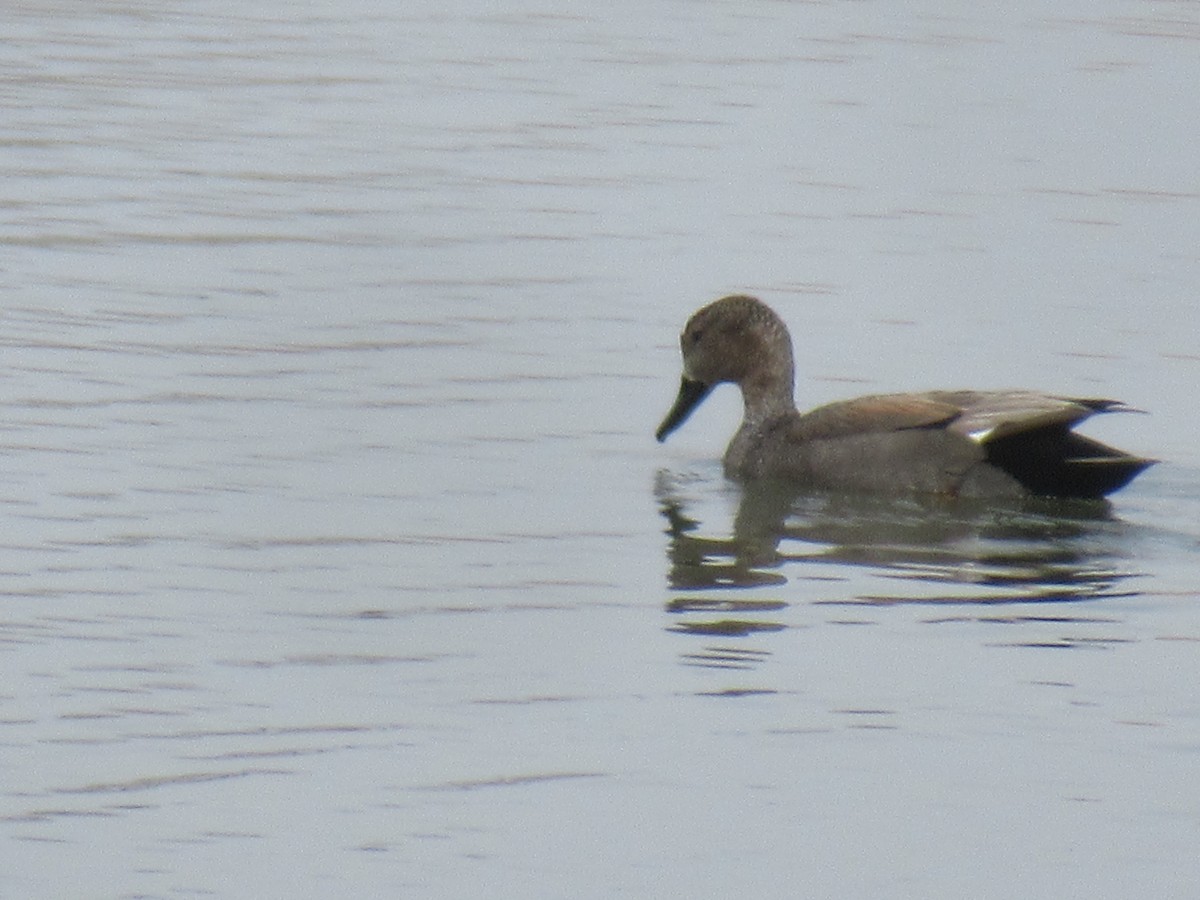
{"x":986,"y":416}
{"x":875,"y":414}
{"x":979,"y":416}
{"x":1024,"y":434}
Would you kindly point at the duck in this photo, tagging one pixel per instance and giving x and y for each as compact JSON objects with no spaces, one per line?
{"x":961,"y":443}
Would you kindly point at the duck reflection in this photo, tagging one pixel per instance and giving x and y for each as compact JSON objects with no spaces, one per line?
{"x":876,"y":550}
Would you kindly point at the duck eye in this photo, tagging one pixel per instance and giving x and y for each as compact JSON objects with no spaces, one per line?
{"x":696,"y":335}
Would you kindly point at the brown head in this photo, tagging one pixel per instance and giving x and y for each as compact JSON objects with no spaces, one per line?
{"x":737,"y":339}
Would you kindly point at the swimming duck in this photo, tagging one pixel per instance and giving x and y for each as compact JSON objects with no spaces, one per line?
{"x":961,"y":443}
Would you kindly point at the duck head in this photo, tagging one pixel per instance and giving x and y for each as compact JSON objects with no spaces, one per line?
{"x":737,"y":339}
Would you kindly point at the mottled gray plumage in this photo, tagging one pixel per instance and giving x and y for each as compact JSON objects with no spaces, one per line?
{"x":963,"y":443}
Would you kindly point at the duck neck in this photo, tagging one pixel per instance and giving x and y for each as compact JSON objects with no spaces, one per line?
{"x":769,"y":394}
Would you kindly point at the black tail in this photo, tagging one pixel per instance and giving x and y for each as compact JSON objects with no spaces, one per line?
{"x":1056,"y":462}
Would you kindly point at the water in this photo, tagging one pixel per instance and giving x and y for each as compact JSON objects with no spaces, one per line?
{"x":339,"y":558}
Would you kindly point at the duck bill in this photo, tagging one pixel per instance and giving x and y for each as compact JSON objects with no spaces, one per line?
{"x":691,"y":393}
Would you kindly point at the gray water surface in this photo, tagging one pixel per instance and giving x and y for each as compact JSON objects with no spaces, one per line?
{"x":338,"y":555}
